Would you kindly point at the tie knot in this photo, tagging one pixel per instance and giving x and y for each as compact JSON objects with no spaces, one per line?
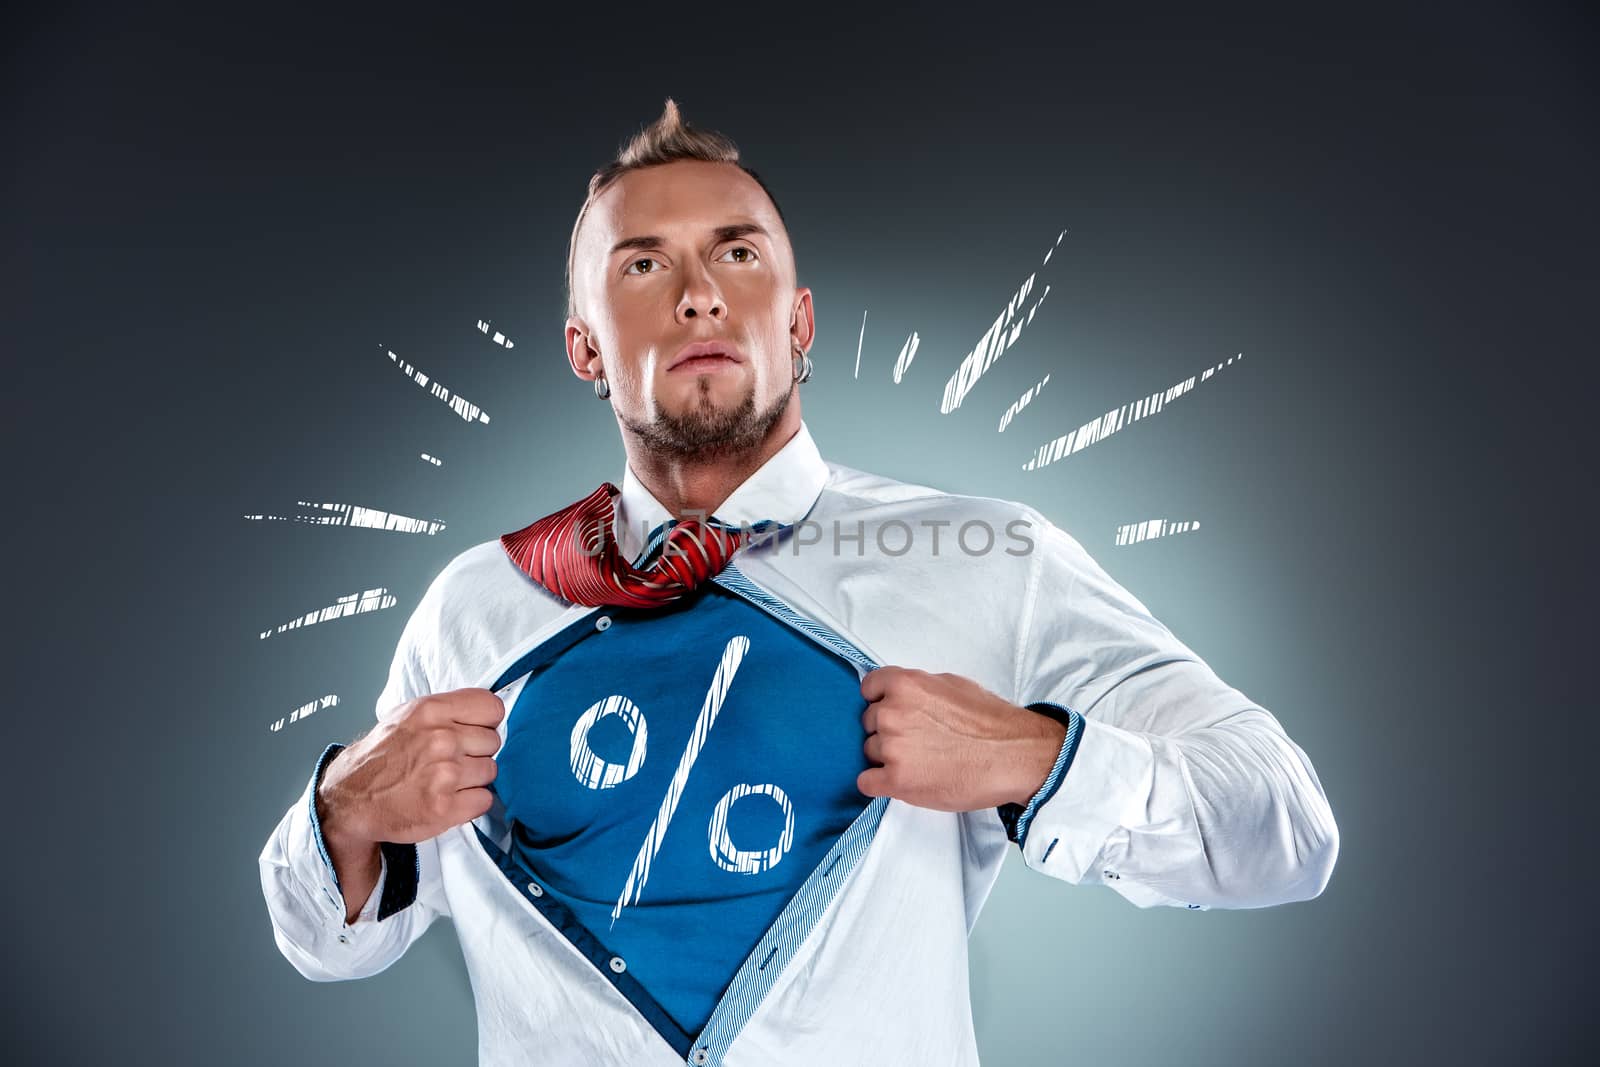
{"x":574,"y":553}
{"x":676,"y":536}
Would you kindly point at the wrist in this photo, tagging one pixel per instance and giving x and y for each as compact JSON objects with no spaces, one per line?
{"x":1041,"y":748}
{"x":336,"y":812}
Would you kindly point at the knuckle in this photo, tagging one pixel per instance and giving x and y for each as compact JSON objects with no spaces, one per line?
{"x":438,"y":806}
{"x":441,"y":744}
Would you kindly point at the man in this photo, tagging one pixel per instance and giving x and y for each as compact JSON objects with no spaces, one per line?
{"x":721,"y":767}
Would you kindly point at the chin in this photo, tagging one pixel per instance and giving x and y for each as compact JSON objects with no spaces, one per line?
{"x":708,"y":421}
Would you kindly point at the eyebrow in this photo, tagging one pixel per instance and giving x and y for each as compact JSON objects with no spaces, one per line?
{"x":721,"y":233}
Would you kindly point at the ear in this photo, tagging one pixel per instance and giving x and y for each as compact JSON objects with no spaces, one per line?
{"x":581,"y":353}
{"x":802,"y":324}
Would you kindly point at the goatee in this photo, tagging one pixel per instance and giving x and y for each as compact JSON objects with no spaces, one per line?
{"x":705,"y":431}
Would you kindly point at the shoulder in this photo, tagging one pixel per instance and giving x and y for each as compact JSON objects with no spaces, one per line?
{"x":484,"y":564}
{"x":484,"y":578}
{"x":1005,"y":536}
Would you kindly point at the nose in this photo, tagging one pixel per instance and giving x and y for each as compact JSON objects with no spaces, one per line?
{"x":700,"y":296}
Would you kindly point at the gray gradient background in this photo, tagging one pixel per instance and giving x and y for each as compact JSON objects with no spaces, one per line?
{"x":210,"y":226}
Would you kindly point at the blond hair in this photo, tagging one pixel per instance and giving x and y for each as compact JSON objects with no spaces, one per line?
{"x":666,"y":140}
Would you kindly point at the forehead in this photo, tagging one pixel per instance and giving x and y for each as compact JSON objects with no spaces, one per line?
{"x":685,"y":198}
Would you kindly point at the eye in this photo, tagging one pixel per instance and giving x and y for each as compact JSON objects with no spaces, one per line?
{"x":749,"y":253}
{"x":635,"y":263}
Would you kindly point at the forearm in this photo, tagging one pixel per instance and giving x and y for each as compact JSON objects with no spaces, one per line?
{"x":356,"y":866}
{"x":323,"y":937}
{"x":1035,"y":757}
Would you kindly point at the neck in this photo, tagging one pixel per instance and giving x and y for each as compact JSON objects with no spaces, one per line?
{"x":696,"y":486}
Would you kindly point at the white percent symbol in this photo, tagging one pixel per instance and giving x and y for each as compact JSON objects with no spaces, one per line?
{"x":589,"y":768}
{"x":746,"y":860}
{"x":597,"y":773}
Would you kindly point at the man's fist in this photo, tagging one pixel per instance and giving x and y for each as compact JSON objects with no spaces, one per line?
{"x":943,"y":741}
{"x":420,"y":772}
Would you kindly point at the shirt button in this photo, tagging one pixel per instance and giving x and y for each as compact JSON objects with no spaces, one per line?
{"x":700,"y":1055}
{"x":618,"y":965}
{"x":343,"y":940}
{"x":535,"y":889}
{"x":603,"y":623}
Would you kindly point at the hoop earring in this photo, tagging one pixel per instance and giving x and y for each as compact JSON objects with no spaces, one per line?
{"x":802,"y":366}
{"x":602,"y":388}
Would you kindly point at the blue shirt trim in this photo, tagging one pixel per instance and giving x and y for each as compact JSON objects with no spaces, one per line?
{"x":730,"y":578}
{"x":316,"y":824}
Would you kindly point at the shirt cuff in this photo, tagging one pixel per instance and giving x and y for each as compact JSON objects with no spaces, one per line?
{"x":311,"y":807}
{"x":400,"y":867}
{"x":1018,"y":818}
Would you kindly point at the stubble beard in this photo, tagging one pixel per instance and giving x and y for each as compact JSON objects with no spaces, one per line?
{"x":705,"y":431}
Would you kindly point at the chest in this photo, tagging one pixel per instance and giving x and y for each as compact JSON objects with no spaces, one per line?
{"x":721,"y":735}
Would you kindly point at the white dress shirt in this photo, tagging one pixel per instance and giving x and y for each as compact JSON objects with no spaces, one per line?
{"x":1179,"y":791}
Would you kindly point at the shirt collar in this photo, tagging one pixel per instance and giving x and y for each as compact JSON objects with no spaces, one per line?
{"x":782,"y":489}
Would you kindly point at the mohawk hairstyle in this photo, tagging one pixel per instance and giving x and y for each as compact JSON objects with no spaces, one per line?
{"x":666,"y":140}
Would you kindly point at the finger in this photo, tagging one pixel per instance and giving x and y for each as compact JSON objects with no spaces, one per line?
{"x":476,"y":707}
{"x":876,"y":683}
{"x":869,"y":719}
{"x":470,"y":804}
{"x":476,"y":771}
{"x":873,"y":747}
{"x":874,"y":782}
{"x":478,"y":740}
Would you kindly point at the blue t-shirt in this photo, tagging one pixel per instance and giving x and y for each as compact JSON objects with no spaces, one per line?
{"x":674,"y":777}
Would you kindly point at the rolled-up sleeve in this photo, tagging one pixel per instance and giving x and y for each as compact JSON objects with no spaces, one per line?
{"x":1177,"y":790}
{"x":301,"y":887}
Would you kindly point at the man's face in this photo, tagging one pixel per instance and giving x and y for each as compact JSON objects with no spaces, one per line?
{"x":676,"y":254}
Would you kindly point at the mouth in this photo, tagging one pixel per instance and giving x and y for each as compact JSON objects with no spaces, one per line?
{"x":705,"y":356}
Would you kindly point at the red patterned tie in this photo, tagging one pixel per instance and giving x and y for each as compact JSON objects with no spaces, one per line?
{"x":573,"y":553}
